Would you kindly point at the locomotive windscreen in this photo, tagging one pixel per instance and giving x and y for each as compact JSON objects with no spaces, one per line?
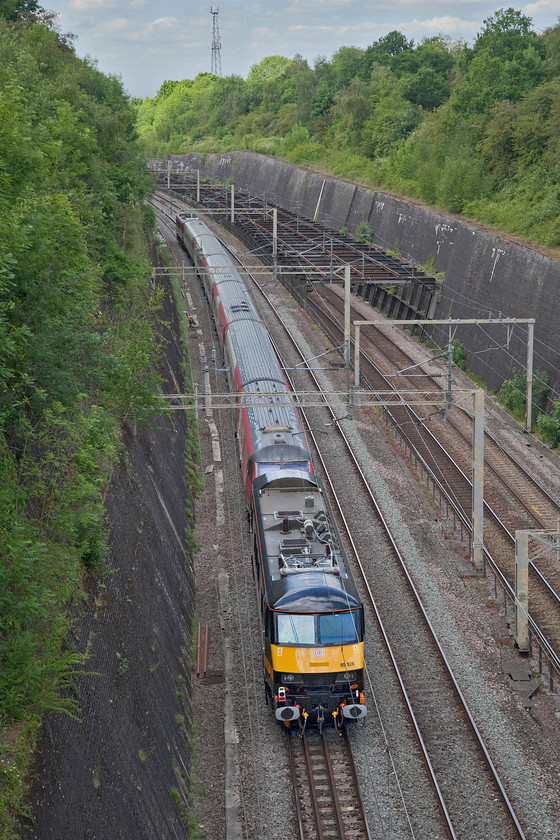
{"x":341,"y":628}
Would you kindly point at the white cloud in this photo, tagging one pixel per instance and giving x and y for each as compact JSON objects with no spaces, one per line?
{"x":90,"y":5}
{"x":161,"y":23}
{"x":116,"y":25}
{"x":546,"y":7}
{"x":447,"y":25}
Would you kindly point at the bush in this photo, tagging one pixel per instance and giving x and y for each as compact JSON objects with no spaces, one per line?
{"x":548,"y":427}
{"x":513,"y":394}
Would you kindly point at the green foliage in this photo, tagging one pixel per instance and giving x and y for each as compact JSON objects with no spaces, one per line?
{"x":12,"y":9}
{"x":78,"y":349}
{"x":364,"y":233}
{"x":459,"y":355}
{"x":548,"y":426}
{"x":513,"y":394}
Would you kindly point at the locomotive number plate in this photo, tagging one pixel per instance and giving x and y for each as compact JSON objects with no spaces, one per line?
{"x":318,"y":652}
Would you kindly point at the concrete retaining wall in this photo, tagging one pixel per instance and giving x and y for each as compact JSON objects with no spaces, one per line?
{"x":485,"y":274}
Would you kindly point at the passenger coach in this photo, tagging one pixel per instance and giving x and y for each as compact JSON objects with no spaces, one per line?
{"x":270,"y":435}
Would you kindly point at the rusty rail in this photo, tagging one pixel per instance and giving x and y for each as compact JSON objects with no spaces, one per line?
{"x":202,"y":651}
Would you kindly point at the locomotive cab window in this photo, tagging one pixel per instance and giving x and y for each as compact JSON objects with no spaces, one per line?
{"x":295,"y":629}
{"x":263,"y":469}
{"x":339,"y":628}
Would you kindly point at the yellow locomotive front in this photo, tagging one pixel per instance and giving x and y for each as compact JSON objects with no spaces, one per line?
{"x":312,"y":617}
{"x":314,"y":662}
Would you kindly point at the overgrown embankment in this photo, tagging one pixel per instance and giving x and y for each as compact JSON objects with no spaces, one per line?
{"x":122,"y":770}
{"x":471,"y":130}
{"x":79,"y":352}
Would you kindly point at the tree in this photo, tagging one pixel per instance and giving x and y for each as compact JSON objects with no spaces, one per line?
{"x":425,"y":88}
{"x":347,"y":62}
{"x":268,"y":69}
{"x":497,"y":145}
{"x":383,"y":51}
{"x":352,"y":109}
{"x":166,"y":89}
{"x":264,"y":82}
{"x":12,"y":9}
{"x":508,"y":20}
{"x":323,"y":99}
{"x":506,"y":35}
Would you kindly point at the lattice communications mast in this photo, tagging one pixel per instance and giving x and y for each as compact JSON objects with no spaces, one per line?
{"x":216,"y":61}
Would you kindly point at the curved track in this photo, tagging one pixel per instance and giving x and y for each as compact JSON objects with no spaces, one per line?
{"x":506,"y":509}
{"x":472,"y":798}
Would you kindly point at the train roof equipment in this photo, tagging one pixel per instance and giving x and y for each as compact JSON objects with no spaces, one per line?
{"x":303,"y":559}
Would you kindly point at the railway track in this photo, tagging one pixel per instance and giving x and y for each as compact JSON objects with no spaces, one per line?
{"x":456,"y":758}
{"x":519,"y":502}
{"x":327,"y":794}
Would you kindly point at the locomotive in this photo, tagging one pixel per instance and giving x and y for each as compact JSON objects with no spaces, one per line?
{"x":311,"y":616}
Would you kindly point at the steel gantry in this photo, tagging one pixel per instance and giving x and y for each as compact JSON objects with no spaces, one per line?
{"x":420,"y":322}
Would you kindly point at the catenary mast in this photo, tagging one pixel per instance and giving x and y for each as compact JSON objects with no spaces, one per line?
{"x":216,"y":61}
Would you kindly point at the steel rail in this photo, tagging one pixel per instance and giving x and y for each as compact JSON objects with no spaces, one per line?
{"x":545,"y":643}
{"x":293,"y":773}
{"x":312,"y":788}
{"x":357,"y":785}
{"x":476,"y":731}
{"x":332,"y":782}
{"x":429,"y":625}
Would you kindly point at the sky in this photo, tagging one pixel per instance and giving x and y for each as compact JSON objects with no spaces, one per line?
{"x":146,"y":42}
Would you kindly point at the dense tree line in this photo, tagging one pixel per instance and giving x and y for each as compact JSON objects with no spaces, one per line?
{"x":473,"y":130}
{"x":76,"y":349}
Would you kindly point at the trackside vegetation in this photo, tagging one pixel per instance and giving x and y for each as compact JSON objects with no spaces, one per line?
{"x":78,"y":345}
{"x":545,"y":414}
{"x":473,"y":130}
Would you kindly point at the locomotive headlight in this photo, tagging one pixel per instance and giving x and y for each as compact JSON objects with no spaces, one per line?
{"x":346,"y":676}
{"x":288,"y":678}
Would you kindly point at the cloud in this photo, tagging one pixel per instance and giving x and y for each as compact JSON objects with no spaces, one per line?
{"x":160,"y":23}
{"x":133,"y":31}
{"x":447,"y":25}
{"x":90,"y":5}
{"x":544,"y":7}
{"x":116,"y":25}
